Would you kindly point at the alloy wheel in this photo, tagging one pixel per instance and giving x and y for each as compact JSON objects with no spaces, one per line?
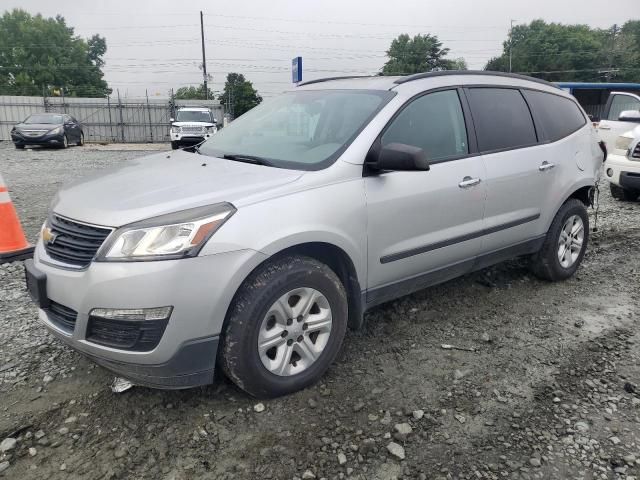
{"x":571,"y":241}
{"x":295,"y":331}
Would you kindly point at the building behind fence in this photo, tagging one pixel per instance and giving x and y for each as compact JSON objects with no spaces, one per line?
{"x":105,"y":120}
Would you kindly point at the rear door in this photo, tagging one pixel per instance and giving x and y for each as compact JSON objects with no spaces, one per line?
{"x":610,"y":127}
{"x":422,"y":221}
{"x":71,"y":128}
{"x":519,"y":171}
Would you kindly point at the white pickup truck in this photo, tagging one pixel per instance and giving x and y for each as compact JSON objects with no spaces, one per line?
{"x":621,"y":114}
{"x":191,"y":126}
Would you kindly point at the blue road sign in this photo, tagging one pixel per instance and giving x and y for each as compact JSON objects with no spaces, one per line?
{"x":296,"y":70}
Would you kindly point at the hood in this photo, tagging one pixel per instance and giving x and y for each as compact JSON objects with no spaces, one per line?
{"x":37,"y":126}
{"x":164,"y":183}
{"x":192,"y":124}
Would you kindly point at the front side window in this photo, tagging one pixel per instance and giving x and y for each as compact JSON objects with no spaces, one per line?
{"x":303,"y":130}
{"x":560,"y":116}
{"x":434,"y":123}
{"x":502,"y":119}
{"x":620,"y":103}
{"x":193,"y":116}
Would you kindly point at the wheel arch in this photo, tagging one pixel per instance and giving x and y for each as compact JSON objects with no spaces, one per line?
{"x":585,"y":194}
{"x":335,"y":258}
{"x":342,"y":265}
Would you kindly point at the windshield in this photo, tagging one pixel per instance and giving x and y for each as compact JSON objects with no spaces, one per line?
{"x":303,"y":130}
{"x":193,"y":116}
{"x":42,"y":118}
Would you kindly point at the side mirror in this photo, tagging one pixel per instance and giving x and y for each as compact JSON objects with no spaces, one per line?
{"x":594,"y":118}
{"x":629,"y":116}
{"x":171,"y":120}
{"x":401,"y":157}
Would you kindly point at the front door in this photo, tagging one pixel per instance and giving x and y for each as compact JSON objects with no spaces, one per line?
{"x":610,"y":128}
{"x":420,"y":222}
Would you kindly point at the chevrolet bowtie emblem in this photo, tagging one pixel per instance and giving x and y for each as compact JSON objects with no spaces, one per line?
{"x":48,"y":236}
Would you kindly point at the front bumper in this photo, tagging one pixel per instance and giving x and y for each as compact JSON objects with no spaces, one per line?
{"x":189,"y":139}
{"x":621,"y":171}
{"x":199,"y":289}
{"x":46,"y":139}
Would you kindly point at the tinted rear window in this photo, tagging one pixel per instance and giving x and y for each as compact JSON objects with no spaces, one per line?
{"x":560,"y":116}
{"x":502,"y":119}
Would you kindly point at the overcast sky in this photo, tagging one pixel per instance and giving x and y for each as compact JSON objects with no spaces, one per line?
{"x":155,"y":44}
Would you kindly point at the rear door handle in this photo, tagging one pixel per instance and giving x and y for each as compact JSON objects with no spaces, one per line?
{"x":546,"y":166}
{"x":604,"y":127}
{"x":468,"y":182}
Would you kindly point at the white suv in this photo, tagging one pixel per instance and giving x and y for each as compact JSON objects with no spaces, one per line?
{"x":191,"y":126}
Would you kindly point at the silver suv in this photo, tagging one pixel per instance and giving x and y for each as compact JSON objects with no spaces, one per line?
{"x":256,"y":252}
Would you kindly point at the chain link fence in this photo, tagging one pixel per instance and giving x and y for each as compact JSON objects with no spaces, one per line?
{"x":105,"y":120}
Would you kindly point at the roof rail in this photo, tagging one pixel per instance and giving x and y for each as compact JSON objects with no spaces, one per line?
{"x":328,"y":79}
{"x":418,"y":76}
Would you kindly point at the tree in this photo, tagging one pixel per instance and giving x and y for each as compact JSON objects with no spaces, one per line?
{"x":239,"y":96}
{"x":626,"y":53}
{"x":422,"y":53}
{"x":193,"y":93}
{"x":458,"y":64}
{"x":557,"y":52}
{"x":38,"y":53}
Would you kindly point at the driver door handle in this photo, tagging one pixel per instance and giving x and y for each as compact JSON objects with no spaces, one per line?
{"x":546,"y":166}
{"x":468,"y":182}
{"x":604,"y":127}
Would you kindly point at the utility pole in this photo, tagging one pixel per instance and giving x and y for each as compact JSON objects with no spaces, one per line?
{"x":204,"y":59}
{"x":510,"y":43}
{"x":611,"y":71}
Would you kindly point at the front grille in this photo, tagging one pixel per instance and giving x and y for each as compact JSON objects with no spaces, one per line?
{"x":636,"y":151}
{"x":74,"y":243}
{"x":63,"y":317}
{"x":192,"y":129}
{"x":34,"y":133}
{"x":136,"y":335}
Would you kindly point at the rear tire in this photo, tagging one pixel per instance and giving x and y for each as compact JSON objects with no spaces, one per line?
{"x":174,"y":145}
{"x":297,"y":347}
{"x":565,"y":245}
{"x":81,"y":140}
{"x":623,"y":194}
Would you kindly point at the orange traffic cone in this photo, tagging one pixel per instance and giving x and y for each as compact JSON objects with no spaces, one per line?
{"x":13,"y":244}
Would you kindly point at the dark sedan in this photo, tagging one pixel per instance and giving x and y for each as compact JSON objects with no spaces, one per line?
{"x":53,"y":129}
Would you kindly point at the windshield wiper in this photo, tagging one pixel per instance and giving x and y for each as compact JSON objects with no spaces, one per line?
{"x":248,"y":159}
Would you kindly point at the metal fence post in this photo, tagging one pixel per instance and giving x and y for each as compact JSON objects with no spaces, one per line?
{"x":120,"y":107}
{"x":112,"y":138}
{"x":149,"y":112}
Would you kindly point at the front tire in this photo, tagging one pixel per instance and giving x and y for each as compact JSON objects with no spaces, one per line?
{"x":65,"y":141}
{"x":565,"y":244}
{"x":174,"y":145}
{"x":284,"y":328}
{"x":19,"y":147}
{"x":623,"y":194}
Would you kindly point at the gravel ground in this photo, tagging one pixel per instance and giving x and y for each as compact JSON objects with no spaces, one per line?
{"x":545,"y":384}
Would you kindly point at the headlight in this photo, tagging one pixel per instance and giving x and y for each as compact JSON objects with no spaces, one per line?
{"x":175,"y":129}
{"x":57,"y":130}
{"x":211,"y":129}
{"x":176,"y":235}
{"x":623,"y":142}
